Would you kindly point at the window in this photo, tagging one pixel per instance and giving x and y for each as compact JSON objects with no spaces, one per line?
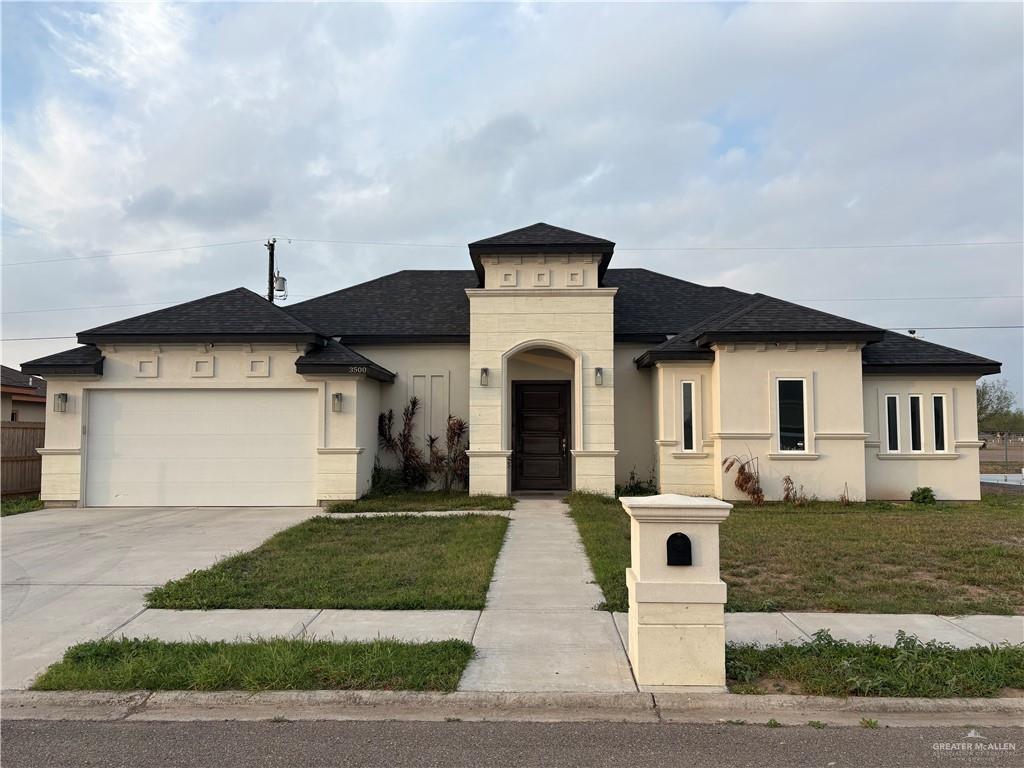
{"x":939,"y":409}
{"x":892,"y":422}
{"x":915,"y":422}
{"x":14,"y":415}
{"x":688,"y":440}
{"x":791,"y":415}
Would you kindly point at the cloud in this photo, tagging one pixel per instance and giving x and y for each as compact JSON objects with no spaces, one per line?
{"x":138,"y":127}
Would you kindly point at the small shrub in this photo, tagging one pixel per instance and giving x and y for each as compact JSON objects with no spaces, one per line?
{"x":844,"y":497}
{"x":867,"y":722}
{"x":414,"y":467}
{"x":385,"y":481}
{"x":452,"y":464}
{"x":748,"y":478}
{"x":634,"y":486}
{"x":773,"y":723}
{"x":922,"y":495}
{"x":816,"y":724}
{"x":795,"y":496}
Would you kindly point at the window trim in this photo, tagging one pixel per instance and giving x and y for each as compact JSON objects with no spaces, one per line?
{"x":778,"y":414}
{"x":888,"y":425}
{"x":920,"y":422}
{"x":682,"y":416}
{"x":945,"y":424}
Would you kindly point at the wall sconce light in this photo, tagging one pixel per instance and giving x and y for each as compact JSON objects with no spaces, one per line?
{"x":483,"y":377}
{"x":336,"y":402}
{"x":599,"y":376}
{"x":60,"y":402}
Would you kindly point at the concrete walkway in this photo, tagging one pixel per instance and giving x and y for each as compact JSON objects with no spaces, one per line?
{"x":538,"y":631}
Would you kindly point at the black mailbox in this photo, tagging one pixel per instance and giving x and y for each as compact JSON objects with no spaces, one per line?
{"x":679,"y":552}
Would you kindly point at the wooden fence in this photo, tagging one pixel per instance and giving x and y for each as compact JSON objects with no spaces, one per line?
{"x":20,"y":465}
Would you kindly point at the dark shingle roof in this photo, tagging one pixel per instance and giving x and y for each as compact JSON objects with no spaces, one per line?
{"x":333,"y":357}
{"x":77,"y":361}
{"x":432,"y":305}
{"x":544,"y":236}
{"x":9,"y":377}
{"x":897,"y":353}
{"x":235,"y":315}
{"x":541,"y":238}
{"x":765,"y":318}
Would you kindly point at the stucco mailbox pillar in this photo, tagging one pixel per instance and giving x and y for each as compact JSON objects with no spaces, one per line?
{"x":676,"y":596}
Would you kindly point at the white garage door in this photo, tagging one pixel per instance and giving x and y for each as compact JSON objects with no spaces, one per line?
{"x":201,"y":448}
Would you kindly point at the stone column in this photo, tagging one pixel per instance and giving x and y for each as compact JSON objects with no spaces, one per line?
{"x":676,"y":597}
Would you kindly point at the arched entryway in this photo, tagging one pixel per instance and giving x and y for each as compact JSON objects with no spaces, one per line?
{"x":541,"y":424}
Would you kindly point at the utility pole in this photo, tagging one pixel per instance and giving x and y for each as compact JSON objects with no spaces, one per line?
{"x":270,"y":269}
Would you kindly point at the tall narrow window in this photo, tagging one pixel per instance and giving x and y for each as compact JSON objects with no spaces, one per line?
{"x":688,"y":440}
{"x":915,"y":422}
{"x":892,"y":422}
{"x":791,"y":415}
{"x":939,"y":408}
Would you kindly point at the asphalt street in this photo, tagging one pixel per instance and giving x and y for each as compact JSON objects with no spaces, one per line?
{"x":54,"y":744}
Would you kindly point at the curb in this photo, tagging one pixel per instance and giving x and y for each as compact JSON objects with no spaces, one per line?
{"x":512,"y":707}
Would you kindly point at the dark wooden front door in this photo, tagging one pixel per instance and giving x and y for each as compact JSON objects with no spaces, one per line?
{"x":540,"y":436}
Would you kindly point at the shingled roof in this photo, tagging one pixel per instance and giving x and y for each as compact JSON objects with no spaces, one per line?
{"x":897,"y":353}
{"x":540,"y":238}
{"x":235,"y":315}
{"x":9,"y":377}
{"x":333,"y":357}
{"x":431,"y":305}
{"x":87,"y":360}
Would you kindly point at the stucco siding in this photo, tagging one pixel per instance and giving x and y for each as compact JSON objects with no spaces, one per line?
{"x":633,"y":415}
{"x":952,"y":473}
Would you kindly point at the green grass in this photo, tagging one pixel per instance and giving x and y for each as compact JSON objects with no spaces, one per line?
{"x":19,"y":504}
{"x":870,"y":558}
{"x":422,"y":501}
{"x":828,"y":667}
{"x":401,"y":562}
{"x":262,"y":665}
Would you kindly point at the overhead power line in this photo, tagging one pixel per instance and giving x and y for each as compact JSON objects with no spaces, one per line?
{"x":916,"y":298}
{"x":665,"y":249}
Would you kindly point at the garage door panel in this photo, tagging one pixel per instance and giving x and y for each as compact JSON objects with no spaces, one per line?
{"x":201,"y":447}
{"x":128,"y":447}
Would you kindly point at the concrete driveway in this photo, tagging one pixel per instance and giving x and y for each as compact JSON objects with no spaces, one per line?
{"x":78,"y":574}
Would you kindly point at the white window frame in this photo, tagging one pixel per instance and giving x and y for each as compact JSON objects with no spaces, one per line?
{"x":945,"y":423}
{"x":885,"y":417}
{"x":682,"y":416}
{"x":778,"y":415}
{"x":920,"y":421}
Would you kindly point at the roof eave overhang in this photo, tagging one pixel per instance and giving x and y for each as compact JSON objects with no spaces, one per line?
{"x":194,"y":338}
{"x":71,"y":369}
{"x":649,"y":359}
{"x":374,"y":372}
{"x":605,"y":251}
{"x":736,"y":337}
{"x":436,"y":338}
{"x":932,"y":369}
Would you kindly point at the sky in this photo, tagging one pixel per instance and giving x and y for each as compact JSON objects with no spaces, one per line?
{"x":769,"y":135}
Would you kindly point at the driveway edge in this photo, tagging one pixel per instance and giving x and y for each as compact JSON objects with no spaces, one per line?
{"x":522,"y":707}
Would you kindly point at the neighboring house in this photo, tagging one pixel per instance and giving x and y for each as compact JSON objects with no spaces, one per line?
{"x":22,"y":398}
{"x":569,"y":373}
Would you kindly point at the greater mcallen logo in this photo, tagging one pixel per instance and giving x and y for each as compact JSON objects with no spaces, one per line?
{"x":974,"y":741}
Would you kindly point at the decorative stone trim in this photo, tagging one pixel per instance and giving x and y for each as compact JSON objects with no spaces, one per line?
{"x":794,"y":456}
{"x":841,"y":435}
{"x":740,"y":435}
{"x":475,"y":292}
{"x":586,"y":454}
{"x":689,"y":455}
{"x":666,"y":442}
{"x":481,"y":453}
{"x":59,"y":451}
{"x":344,"y":451}
{"x":968,"y":443}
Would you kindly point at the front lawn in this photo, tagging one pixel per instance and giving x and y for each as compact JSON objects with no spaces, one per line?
{"x":827,"y":667}
{"x":262,"y":665}
{"x":400,"y":562}
{"x":869,"y":558}
{"x":422,"y":501}
{"x":18,"y":504}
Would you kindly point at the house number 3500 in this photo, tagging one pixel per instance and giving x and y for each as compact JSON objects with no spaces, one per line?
{"x":357,"y":369}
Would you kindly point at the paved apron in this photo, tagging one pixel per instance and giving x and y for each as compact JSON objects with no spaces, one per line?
{"x":539,"y":630}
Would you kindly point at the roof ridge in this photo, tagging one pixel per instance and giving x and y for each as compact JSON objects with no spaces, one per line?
{"x":697,"y":328}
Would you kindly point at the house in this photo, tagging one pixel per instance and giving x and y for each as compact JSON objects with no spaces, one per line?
{"x":22,"y":398}
{"x":569,"y":372}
